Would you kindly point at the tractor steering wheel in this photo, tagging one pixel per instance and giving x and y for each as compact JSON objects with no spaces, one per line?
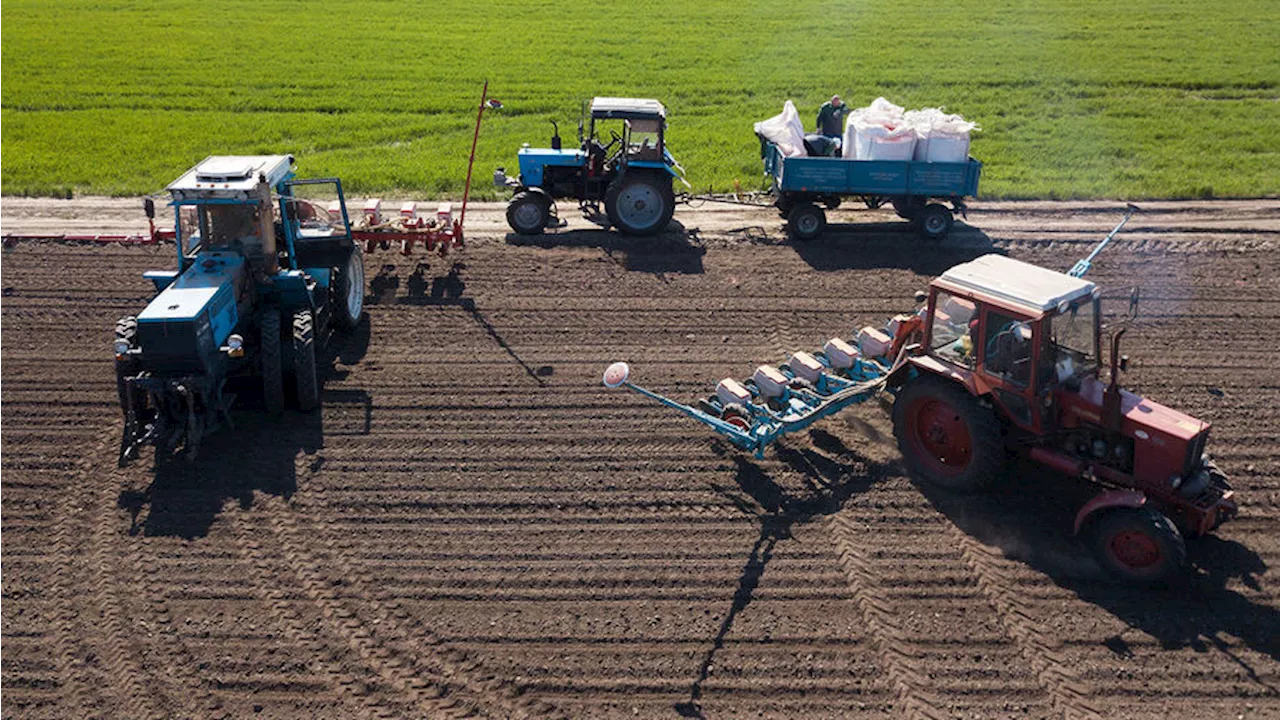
{"x":616,"y":139}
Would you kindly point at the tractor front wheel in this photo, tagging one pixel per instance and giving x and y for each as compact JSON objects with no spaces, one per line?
{"x":806,"y":222}
{"x":269,"y":362}
{"x":1139,"y":546}
{"x":127,"y":330}
{"x":528,"y":213}
{"x":946,"y":438}
{"x":640,"y":203}
{"x":304,"y":361}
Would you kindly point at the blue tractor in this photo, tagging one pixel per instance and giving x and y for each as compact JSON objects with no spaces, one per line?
{"x":263,"y":277}
{"x":631,"y":174}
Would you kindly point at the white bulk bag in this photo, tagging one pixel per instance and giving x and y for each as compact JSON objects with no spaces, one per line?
{"x":942,"y":137}
{"x":879,"y":139}
{"x":784,"y":130}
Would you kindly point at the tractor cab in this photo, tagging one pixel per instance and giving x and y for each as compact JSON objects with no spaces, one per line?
{"x":643,"y":124}
{"x":1015,"y":330}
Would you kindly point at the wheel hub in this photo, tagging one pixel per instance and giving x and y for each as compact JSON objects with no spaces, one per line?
{"x":528,"y":215}
{"x":942,"y":436}
{"x":1135,"y":549}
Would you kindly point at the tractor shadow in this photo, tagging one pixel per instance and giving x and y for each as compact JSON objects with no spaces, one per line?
{"x":447,"y":290}
{"x":808,"y":485}
{"x":881,"y":245}
{"x":677,"y":250}
{"x":1029,"y":518}
{"x":259,"y":454}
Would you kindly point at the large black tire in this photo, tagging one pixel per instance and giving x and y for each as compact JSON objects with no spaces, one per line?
{"x":640,"y":203}
{"x":528,"y":213}
{"x":936,"y":221}
{"x":946,"y":438}
{"x":349,"y":299}
{"x":127,"y":330}
{"x":1139,"y":546}
{"x":908,"y":207}
{"x":806,"y":221}
{"x":304,"y":361}
{"x":270,"y":362}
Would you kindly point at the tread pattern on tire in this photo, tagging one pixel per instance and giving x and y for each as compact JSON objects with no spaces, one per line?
{"x":126,"y":329}
{"x":270,"y":362}
{"x":345,"y":321}
{"x":304,"y":361}
{"x":519,"y":199}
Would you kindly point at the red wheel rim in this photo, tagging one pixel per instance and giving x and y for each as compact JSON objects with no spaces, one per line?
{"x":738,"y":421}
{"x":1134,"y":549}
{"x":940,"y":436}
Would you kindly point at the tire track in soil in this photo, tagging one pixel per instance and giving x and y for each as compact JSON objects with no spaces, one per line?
{"x":348,"y":689}
{"x":125,"y":673}
{"x":897,"y":656}
{"x":402,"y":636}
{"x":1040,"y":648}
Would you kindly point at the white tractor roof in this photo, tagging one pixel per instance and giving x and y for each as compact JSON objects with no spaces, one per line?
{"x":218,"y":174}
{"x":1014,"y":281}
{"x":611,"y":107}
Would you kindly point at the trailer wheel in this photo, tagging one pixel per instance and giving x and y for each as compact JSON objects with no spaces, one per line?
{"x":269,"y":362}
{"x":1139,"y":546}
{"x":806,"y":222}
{"x":907,"y":207}
{"x":936,"y":221}
{"x":946,"y":438}
{"x":528,"y":213}
{"x":640,"y":203}
{"x":304,"y":361}
{"x":350,"y":299}
{"x":832,"y":202}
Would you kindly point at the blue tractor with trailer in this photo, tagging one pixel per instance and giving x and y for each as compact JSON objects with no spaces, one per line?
{"x":263,"y":277}
{"x":805,"y":187}
{"x":632,"y":173}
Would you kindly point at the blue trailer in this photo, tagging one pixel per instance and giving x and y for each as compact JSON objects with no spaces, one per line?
{"x":804,"y":186}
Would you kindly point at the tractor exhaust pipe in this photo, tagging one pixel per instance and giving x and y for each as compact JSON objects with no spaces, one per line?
{"x":1111,"y":396}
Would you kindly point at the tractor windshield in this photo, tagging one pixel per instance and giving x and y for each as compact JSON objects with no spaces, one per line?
{"x":1074,"y":337}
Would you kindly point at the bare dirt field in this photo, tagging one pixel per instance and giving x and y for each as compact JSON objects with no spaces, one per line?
{"x":474,"y":526}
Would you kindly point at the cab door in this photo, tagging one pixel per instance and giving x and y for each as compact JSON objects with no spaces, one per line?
{"x":1008,"y":352}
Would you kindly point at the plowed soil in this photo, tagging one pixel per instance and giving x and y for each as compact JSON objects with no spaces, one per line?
{"x":474,"y":526}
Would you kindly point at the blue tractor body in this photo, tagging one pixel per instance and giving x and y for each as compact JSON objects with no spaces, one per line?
{"x":631,"y":173}
{"x":263,"y":277}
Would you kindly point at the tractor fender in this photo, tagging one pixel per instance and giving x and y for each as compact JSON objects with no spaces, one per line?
{"x":1106,"y":501}
{"x":535,"y":190}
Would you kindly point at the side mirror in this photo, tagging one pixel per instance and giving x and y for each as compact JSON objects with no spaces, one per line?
{"x":149,"y":207}
{"x":1133,"y":304}
{"x":921,"y":296}
{"x":1124,"y":363}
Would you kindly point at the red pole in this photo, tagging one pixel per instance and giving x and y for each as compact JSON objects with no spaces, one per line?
{"x":466,"y":193}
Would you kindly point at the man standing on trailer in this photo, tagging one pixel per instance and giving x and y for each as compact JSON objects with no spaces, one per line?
{"x":830,"y":116}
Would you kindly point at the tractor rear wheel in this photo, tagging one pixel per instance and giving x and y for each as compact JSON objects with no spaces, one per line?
{"x":528,"y":213}
{"x":806,"y":222}
{"x":640,"y":203}
{"x":350,"y":295}
{"x":1139,"y":546}
{"x":269,"y":362}
{"x":946,"y":438}
{"x":304,"y":361}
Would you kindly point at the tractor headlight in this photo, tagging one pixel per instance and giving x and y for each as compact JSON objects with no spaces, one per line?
{"x":235,"y":346}
{"x":121,"y":347}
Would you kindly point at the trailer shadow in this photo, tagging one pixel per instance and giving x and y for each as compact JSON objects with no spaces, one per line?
{"x":1029,"y":519}
{"x":881,"y":245}
{"x":677,"y":250}
{"x":259,"y":454}
{"x":816,"y":485}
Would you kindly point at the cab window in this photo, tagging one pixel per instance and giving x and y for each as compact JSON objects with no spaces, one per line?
{"x":954,"y":327}
{"x":1007,"y":348}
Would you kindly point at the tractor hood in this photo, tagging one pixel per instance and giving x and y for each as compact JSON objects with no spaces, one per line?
{"x":1165,"y":440}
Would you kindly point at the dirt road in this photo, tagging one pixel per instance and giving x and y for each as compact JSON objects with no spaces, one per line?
{"x":473,"y":526}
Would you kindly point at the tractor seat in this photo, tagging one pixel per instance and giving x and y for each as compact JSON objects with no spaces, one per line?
{"x":771,"y":381}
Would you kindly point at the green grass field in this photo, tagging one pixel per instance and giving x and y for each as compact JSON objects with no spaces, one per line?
{"x":1076,"y":98}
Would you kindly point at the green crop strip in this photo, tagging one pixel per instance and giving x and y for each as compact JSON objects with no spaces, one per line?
{"x":1076,"y":99}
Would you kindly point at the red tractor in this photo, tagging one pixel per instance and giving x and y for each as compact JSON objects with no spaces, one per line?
{"x":1004,"y":360}
{"x":1009,"y":359}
